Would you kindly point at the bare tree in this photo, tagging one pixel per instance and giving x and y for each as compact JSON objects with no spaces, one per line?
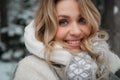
{"x":111,"y":22}
{"x":3,"y":21}
{"x":3,"y":13}
{"x":108,"y":22}
{"x":117,"y":27}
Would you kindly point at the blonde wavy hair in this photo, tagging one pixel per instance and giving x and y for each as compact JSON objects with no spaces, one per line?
{"x":46,"y":24}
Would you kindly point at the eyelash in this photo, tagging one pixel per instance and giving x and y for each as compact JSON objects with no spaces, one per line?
{"x":64,"y":22}
{"x":82,"y":21}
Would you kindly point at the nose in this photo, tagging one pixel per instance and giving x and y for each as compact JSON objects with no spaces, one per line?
{"x":75,"y":30}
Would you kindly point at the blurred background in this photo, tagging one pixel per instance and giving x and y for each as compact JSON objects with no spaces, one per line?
{"x":16,"y":14}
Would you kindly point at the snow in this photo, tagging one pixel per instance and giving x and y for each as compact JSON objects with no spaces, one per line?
{"x":7,"y":55}
{"x":15,"y":30}
{"x":116,"y":10}
{"x":18,"y":53}
{"x":3,"y":30}
{"x":2,"y":46}
{"x":7,"y":70}
{"x":12,"y":30}
{"x":21,"y":39}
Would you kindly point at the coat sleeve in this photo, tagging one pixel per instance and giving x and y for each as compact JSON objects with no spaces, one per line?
{"x":32,"y":69}
{"x":112,"y":58}
{"x":26,"y":71}
{"x":114,"y":62}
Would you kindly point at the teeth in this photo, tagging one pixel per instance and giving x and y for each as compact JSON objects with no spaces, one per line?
{"x":73,"y":42}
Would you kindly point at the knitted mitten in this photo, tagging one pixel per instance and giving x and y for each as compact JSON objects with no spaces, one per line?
{"x":81,"y":67}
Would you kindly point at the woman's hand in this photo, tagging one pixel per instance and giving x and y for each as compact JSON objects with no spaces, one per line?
{"x":81,"y":67}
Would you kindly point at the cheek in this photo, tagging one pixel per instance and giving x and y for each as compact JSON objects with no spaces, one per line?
{"x":60,"y":34}
{"x":86,"y":30}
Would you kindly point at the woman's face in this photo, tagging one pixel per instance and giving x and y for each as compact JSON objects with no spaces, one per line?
{"x":72,"y":26}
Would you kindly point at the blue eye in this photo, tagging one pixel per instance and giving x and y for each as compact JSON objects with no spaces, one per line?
{"x":82,"y":20}
{"x":63,"y":22}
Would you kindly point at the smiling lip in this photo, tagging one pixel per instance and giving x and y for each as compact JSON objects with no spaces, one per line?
{"x":73,"y":43}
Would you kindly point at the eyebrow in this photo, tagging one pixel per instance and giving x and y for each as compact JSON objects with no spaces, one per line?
{"x":65,"y":16}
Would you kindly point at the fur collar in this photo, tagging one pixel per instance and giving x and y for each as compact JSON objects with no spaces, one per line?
{"x":62,"y":56}
{"x":37,"y":48}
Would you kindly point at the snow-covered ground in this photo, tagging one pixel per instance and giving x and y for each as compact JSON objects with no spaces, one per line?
{"x":7,"y":70}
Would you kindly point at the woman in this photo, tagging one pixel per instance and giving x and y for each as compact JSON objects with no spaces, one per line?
{"x":66,"y":44}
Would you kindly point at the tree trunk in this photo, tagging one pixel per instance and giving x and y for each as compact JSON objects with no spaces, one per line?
{"x":117,"y":28}
{"x":3,"y":23}
{"x":3,"y":10}
{"x":108,"y":20}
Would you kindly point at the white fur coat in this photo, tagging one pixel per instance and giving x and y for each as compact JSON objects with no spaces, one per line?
{"x":35,"y":68}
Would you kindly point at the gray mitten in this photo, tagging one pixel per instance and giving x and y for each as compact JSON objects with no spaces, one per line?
{"x":81,"y":67}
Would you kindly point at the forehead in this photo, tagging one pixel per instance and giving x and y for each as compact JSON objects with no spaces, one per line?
{"x":67,"y":6}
